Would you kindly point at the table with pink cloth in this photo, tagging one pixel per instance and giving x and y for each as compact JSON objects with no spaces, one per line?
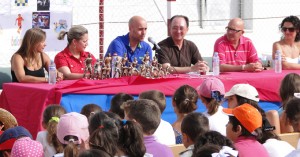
{"x":26,"y":101}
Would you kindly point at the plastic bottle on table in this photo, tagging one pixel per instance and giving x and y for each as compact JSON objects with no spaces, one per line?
{"x":52,"y":73}
{"x":277,"y":62}
{"x":216,"y":64}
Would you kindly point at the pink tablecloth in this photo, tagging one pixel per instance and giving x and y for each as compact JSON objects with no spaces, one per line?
{"x":28,"y":100}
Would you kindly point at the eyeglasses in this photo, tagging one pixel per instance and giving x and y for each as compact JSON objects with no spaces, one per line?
{"x":291,"y":29}
{"x":232,"y":30}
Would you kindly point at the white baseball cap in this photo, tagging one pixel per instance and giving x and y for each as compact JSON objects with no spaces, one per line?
{"x":243,"y":90}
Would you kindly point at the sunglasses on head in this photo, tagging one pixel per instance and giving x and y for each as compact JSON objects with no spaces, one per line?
{"x":291,"y":29}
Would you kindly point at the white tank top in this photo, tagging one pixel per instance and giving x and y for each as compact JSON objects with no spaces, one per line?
{"x":292,"y":60}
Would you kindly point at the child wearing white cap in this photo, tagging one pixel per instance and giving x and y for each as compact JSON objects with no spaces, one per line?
{"x":245,"y":93}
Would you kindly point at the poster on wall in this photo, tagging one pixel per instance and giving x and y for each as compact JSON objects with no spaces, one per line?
{"x":21,"y":2}
{"x":19,"y":21}
{"x":43,"y":5}
{"x":41,"y":20}
{"x":61,"y":25}
{"x":17,"y":16}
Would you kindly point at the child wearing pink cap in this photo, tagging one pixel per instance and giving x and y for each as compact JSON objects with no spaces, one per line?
{"x":211,"y":93}
{"x":9,"y":137}
{"x":73,"y":133}
{"x":26,"y":147}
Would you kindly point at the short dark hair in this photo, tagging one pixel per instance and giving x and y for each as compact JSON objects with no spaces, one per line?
{"x":157,"y":96}
{"x":94,"y":153}
{"x":181,"y":16}
{"x":89,"y":108}
{"x":213,"y":137}
{"x":244,"y":132}
{"x":292,"y":108}
{"x":207,"y":150}
{"x":194,"y":124}
{"x":117,"y":101}
{"x":145,"y":112}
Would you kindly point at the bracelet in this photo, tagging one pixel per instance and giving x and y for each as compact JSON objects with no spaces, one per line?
{"x":243,"y":67}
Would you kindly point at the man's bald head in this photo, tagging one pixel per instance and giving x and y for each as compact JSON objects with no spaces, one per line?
{"x":137,"y":29}
{"x":133,"y":21}
{"x":236,"y":23}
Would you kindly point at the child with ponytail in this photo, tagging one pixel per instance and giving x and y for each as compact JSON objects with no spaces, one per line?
{"x":116,"y":137}
{"x":48,"y":137}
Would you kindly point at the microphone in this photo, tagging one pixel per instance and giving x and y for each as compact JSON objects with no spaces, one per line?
{"x":150,"y":39}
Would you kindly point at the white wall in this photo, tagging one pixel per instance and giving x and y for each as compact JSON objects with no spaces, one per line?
{"x":267,"y":15}
{"x":263,"y":30}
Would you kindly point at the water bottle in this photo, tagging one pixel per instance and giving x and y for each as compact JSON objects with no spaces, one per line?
{"x":216,"y":64}
{"x":277,"y":63}
{"x":52,"y":73}
{"x":113,"y":65}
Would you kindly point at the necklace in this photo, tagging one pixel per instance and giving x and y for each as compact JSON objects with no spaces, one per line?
{"x":33,"y":61}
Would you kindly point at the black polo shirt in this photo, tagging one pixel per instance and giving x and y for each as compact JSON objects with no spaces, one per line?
{"x":170,"y":53}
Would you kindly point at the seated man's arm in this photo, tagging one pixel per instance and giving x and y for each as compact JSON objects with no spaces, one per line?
{"x":253,"y":62}
{"x":201,"y":66}
{"x":229,"y":68}
{"x":251,"y":67}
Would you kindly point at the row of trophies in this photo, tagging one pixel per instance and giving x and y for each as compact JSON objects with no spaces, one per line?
{"x":116,"y":66}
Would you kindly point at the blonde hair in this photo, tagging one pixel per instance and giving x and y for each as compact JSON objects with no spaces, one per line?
{"x":50,"y":112}
{"x":76,"y":32}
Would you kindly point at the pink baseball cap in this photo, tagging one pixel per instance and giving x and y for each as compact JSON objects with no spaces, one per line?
{"x":25,"y":147}
{"x":73,"y":124}
{"x":211,"y":84}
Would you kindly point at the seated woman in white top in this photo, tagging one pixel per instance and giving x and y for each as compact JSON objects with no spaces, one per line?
{"x":289,"y":45}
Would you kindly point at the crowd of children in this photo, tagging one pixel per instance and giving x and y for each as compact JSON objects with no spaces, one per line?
{"x":134,"y":128}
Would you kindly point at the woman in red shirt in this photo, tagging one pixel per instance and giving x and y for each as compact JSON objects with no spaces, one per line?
{"x":71,"y":60}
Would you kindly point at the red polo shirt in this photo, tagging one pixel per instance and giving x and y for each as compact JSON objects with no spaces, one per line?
{"x":66,"y":58}
{"x":245,"y":53}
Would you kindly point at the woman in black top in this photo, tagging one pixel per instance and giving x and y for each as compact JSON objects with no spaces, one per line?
{"x":28,"y":63}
